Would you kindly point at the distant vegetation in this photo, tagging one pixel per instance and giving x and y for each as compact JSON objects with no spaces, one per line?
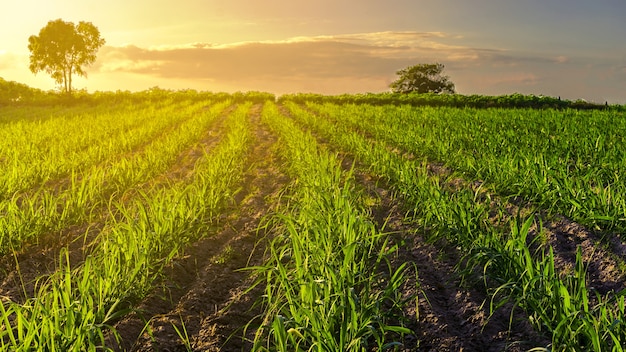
{"x":14,"y":93}
{"x":450,"y":100}
{"x":422,"y":78}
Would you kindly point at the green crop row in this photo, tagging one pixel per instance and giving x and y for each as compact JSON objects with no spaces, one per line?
{"x":36,"y":152}
{"x":329,"y":282}
{"x":26,"y":217}
{"x":557,"y":303}
{"x":569,"y":162}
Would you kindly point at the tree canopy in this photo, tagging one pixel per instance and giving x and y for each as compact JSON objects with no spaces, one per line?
{"x":422,"y":78}
{"x":63,"y":48}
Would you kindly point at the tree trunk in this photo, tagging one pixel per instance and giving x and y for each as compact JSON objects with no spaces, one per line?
{"x":64,"y":80}
{"x":69,"y":92}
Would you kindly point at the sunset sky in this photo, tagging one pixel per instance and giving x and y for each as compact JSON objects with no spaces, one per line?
{"x":569,"y":48}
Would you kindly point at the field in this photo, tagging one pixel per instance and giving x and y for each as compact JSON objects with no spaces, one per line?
{"x":176,"y":221}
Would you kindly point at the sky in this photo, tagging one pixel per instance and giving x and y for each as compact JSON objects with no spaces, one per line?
{"x":574,"y":49}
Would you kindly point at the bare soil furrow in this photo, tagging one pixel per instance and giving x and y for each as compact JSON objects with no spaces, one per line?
{"x":184,"y":165}
{"x":602,"y":253}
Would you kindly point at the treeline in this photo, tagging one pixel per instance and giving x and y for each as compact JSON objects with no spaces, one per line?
{"x":157,"y":94}
{"x":451,"y":100}
{"x":13,"y":93}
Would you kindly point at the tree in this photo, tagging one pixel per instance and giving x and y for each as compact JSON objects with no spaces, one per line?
{"x":63,"y":48}
{"x":422,"y":78}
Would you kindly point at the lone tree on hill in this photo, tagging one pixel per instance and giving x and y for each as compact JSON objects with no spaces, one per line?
{"x":422,"y":78}
{"x":63,"y":48}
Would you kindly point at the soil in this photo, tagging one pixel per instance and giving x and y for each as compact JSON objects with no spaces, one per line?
{"x":603,"y":253}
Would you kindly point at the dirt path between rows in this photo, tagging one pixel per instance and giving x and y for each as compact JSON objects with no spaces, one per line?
{"x":205,"y":290}
{"x":603,"y":253}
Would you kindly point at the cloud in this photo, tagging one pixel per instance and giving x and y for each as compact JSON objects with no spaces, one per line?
{"x":346,"y":63}
{"x":360,"y":55}
{"x":249,"y":61}
{"x":619,"y":71}
{"x":347,"y":55}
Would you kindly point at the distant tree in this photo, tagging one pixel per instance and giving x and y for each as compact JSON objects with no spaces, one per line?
{"x":422,"y":78}
{"x":63,"y":48}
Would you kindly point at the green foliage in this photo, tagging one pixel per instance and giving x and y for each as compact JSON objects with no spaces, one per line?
{"x":422,"y":78}
{"x":449,"y":100}
{"x":567,"y":161}
{"x":11,"y":92}
{"x":329,"y":283}
{"x":73,"y":308}
{"x":98,"y":172}
{"x":556,"y":303}
{"x":63,"y":48}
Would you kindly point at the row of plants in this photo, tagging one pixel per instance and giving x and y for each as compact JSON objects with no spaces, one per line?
{"x":568,"y":162}
{"x":329,"y":281}
{"x":85,"y":194}
{"x":14,"y":93}
{"x":36,"y":152}
{"x":74,"y":308}
{"x":559,"y":304}
{"x":156,"y":95}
